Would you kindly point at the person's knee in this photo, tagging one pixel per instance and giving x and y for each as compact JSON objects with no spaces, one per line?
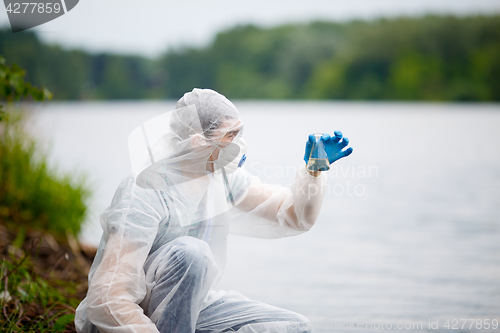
{"x":192,"y":254}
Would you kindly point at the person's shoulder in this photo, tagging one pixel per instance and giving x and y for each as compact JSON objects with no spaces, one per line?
{"x":123,"y":190}
{"x":128,"y":189}
{"x":127,"y":182}
{"x":135,"y":202}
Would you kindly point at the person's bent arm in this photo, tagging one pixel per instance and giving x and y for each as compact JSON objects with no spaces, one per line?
{"x":118,"y":284}
{"x":276,"y":211}
{"x":297,"y":207}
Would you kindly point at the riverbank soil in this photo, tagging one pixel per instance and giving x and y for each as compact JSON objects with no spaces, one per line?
{"x":45,"y":269}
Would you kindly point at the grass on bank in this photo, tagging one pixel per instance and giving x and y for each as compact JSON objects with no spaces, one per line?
{"x":32,"y":195}
{"x":43,"y":271}
{"x":33,"y":298}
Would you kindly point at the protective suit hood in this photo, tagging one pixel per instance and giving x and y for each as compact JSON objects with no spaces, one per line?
{"x":170,"y":152}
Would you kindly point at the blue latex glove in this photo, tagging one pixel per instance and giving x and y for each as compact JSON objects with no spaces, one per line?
{"x":334,"y":146}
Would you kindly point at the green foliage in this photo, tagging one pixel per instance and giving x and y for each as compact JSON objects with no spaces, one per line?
{"x":29,"y":302}
{"x":13,"y":87}
{"x":75,"y":75}
{"x":250,"y":62}
{"x":432,"y":58}
{"x":32,"y":197}
{"x":31,"y":194}
{"x":428,"y":58}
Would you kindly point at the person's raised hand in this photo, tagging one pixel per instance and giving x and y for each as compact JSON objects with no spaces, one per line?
{"x":335,"y":146}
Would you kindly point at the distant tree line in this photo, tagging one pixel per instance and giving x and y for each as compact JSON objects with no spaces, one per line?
{"x":438,"y":58}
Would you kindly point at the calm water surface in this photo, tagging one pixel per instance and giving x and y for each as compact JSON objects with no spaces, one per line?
{"x":410,"y":228}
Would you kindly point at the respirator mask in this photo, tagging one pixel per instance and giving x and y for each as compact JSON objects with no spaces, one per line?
{"x":231,"y":157}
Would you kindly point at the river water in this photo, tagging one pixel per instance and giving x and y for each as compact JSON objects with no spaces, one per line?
{"x":409,"y":233}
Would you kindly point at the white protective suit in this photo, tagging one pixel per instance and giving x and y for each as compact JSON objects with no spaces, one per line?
{"x":164,"y":239}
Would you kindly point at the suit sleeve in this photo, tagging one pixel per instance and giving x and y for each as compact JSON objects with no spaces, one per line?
{"x":118,"y":284}
{"x":272,"y":211}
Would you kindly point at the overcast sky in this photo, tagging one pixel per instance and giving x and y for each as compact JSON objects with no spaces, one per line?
{"x":149,"y":27}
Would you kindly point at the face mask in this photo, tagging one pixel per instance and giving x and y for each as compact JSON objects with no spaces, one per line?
{"x":227,"y":159}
